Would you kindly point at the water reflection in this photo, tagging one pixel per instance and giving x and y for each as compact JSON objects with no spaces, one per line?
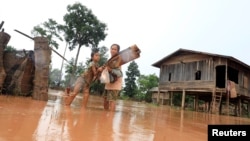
{"x":19,"y":117}
{"x":132,"y":122}
{"x":26,"y":119}
{"x":51,"y":124}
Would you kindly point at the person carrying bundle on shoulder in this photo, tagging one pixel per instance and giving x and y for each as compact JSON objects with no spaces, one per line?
{"x":113,"y":88}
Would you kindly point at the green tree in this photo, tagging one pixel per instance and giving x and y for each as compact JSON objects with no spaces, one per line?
{"x":50,"y":30}
{"x":69,"y":71}
{"x":82,"y":28}
{"x":103,"y":55}
{"x":132,"y":73}
{"x":145,"y":83}
{"x":10,"y":48}
{"x":177,"y":99}
{"x":54,"y":77}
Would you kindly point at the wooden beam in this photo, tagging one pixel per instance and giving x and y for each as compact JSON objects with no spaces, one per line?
{"x":226,"y":84}
{"x":158,"y":96}
{"x":49,"y":46}
{"x":239,"y":107}
{"x":171,"y":98}
{"x":212,"y":103}
{"x":183,"y":99}
{"x":227,"y":102}
{"x":196,"y":102}
{"x":248,"y":108}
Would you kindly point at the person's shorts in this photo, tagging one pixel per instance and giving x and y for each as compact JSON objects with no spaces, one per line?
{"x":80,"y":80}
{"x":111,"y":95}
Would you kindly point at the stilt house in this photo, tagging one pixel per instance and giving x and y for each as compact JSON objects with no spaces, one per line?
{"x":218,"y":80}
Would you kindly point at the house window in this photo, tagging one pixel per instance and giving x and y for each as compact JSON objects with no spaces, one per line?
{"x":169,"y":77}
{"x":198,"y":75}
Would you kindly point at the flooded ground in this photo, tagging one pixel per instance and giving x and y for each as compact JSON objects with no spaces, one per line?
{"x":24,"y":119}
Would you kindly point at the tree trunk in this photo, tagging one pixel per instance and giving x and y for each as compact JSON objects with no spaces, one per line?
{"x":60,"y":79}
{"x":73,"y":77}
{"x":77,"y":55}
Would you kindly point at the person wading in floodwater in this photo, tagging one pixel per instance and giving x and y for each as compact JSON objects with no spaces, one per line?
{"x":85,"y":79}
{"x":113,"y":88}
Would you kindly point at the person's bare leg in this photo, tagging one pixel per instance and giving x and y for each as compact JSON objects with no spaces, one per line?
{"x":85,"y":96}
{"x":105,"y":103}
{"x":67,"y":91}
{"x":85,"y":99}
{"x":76,"y":89}
{"x":70,"y":98}
{"x":112,"y":105}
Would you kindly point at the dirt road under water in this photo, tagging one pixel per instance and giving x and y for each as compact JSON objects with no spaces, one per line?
{"x":24,"y":119}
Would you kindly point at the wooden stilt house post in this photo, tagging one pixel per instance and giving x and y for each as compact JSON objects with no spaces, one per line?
{"x":239,"y":107}
{"x":183,"y":99}
{"x":196,"y":106}
{"x":158,"y":96}
{"x":171,"y":98}
{"x":212,"y":104}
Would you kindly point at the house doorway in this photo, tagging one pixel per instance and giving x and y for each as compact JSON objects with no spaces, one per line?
{"x":220,"y":76}
{"x":232,"y":75}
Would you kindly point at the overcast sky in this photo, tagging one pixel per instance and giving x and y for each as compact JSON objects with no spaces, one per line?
{"x":158,"y":27}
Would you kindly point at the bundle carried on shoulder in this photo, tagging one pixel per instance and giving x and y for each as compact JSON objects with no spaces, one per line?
{"x":129,"y":54}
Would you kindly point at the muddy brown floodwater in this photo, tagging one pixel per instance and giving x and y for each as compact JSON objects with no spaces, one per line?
{"x":24,"y":119}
